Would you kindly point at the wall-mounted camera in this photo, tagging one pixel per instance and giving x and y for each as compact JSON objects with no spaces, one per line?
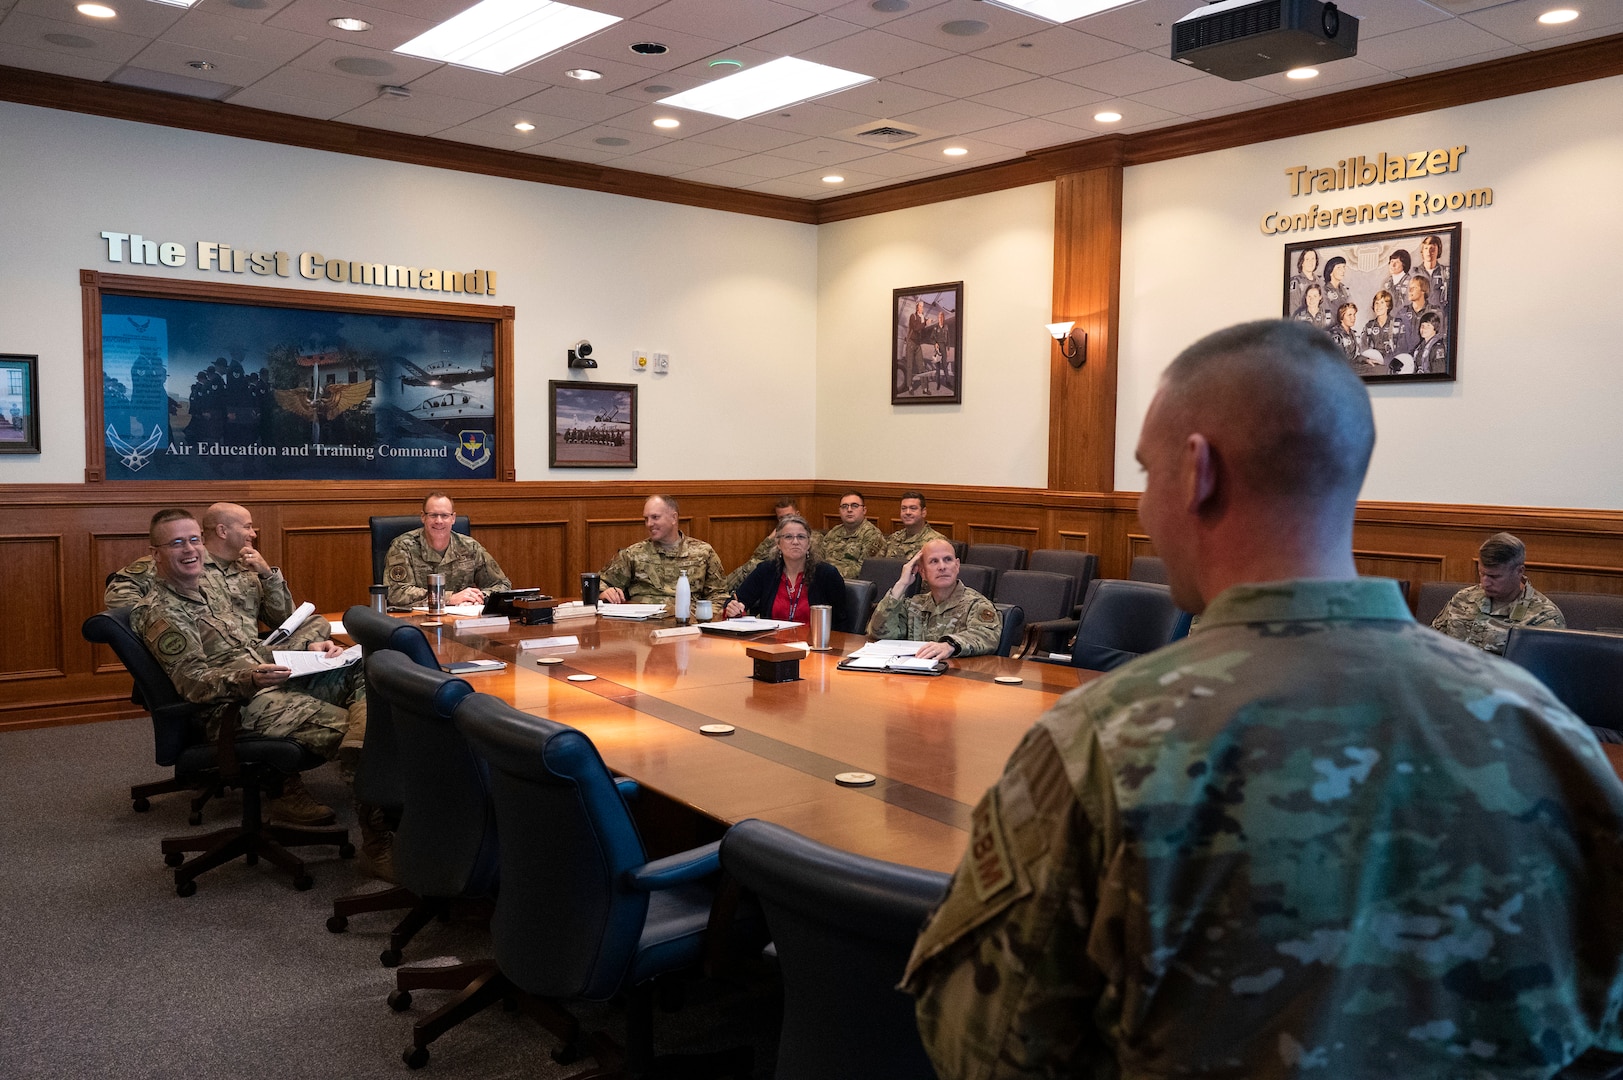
{"x":581,"y":355}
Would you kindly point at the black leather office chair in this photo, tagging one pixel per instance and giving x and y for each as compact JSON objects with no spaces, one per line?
{"x":1082,"y":566}
{"x":1583,"y":669}
{"x":1014,"y":628}
{"x":1589,"y":611}
{"x":1047,"y":601}
{"x":983,"y":579}
{"x":883,"y":573}
{"x":999,"y":557}
{"x":247,"y":761}
{"x":1434,"y":596}
{"x":959,"y":547}
{"x":1123,"y":620}
{"x":1148,"y":568}
{"x":582,"y":913}
{"x":859,"y":605}
{"x":385,"y":529}
{"x":843,"y":926}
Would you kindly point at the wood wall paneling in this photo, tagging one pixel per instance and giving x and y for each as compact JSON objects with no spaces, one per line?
{"x":328,"y":565}
{"x":734,"y":536}
{"x":1072,"y":540}
{"x":109,"y":552}
{"x":606,"y":536}
{"x":31,"y":580}
{"x":533,"y":554}
{"x":1025,"y":536}
{"x":1567,"y":577}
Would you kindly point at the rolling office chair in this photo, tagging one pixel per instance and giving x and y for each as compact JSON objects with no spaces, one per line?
{"x":1047,"y":600}
{"x":1434,"y":596}
{"x":245,"y":760}
{"x":385,"y":529}
{"x":843,"y":926}
{"x":581,"y":912}
{"x":1148,"y":568}
{"x":1000,"y":557}
{"x":883,"y":573}
{"x":1583,"y":669}
{"x":1082,"y":566}
{"x":983,"y":579}
{"x":859,"y":605}
{"x":1014,"y":628}
{"x":1123,"y":620}
{"x":1589,"y":611}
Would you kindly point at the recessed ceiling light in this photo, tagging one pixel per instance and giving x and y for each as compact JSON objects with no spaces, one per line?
{"x":354,"y":26}
{"x":524,"y":125}
{"x":500,"y":35}
{"x":726,"y":63}
{"x":781,"y":82}
{"x":1558,"y":16}
{"x":1107,"y":117}
{"x":649,"y":48}
{"x":200,"y":65}
{"x":667,"y":122}
{"x":955,"y":151}
{"x":583,"y":74}
{"x":1060,"y":11}
{"x":96,"y":11}
{"x":1302,"y":73}
{"x":833,"y":178}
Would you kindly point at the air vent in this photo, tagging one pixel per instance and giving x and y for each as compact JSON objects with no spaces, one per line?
{"x":888,"y":134}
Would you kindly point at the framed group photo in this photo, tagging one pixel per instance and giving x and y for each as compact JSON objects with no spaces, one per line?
{"x":19,"y":404}
{"x":927,"y":337}
{"x":1389,"y":300}
{"x":591,"y":425}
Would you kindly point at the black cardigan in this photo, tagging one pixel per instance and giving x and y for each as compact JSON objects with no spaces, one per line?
{"x":758,"y":590}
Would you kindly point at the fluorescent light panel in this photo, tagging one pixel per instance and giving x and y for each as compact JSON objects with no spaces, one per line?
{"x":1061,"y":11}
{"x":784,"y":81}
{"x":176,"y":3}
{"x":500,"y":35}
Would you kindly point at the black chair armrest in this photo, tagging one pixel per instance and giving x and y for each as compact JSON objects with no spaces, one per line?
{"x":630,"y":791}
{"x":679,"y":869}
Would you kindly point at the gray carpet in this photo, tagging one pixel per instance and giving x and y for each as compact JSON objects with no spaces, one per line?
{"x":107,"y":973}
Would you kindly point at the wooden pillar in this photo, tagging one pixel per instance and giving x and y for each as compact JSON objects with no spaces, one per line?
{"x":1087,"y":288}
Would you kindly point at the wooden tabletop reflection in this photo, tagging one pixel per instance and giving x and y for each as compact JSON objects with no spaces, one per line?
{"x":934,"y":743}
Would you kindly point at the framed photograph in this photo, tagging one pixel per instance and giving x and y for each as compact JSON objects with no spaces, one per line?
{"x":19,"y":404}
{"x":927,"y":338}
{"x":591,"y":425}
{"x":1391,"y":300}
{"x":190,"y":380}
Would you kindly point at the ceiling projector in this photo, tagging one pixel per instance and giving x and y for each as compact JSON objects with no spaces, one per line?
{"x":1244,"y":39}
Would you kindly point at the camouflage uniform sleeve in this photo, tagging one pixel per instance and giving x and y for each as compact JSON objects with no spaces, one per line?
{"x":983,"y":625}
{"x":489,"y":575}
{"x":1004,"y":984}
{"x":714,"y":586}
{"x":1545,"y":613}
{"x":875,"y":543}
{"x":315,"y":629}
{"x":762,"y":552}
{"x":621,"y":571}
{"x":404,"y":591}
{"x":128,"y":585}
{"x":889,"y":619}
{"x":175,"y":644}
{"x":275,"y":599}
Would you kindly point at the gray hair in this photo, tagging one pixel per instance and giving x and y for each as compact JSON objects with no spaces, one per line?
{"x":1502,"y":549}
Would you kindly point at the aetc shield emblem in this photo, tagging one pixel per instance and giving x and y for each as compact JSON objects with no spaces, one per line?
{"x":473,"y":448}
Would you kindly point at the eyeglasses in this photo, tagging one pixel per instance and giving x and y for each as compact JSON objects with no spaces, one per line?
{"x":440,"y":517}
{"x":181,"y":543}
{"x":851,"y":506}
{"x":795,"y":538}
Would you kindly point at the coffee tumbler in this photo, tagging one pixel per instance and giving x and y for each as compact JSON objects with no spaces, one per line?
{"x":436,"y":594}
{"x":703,"y":610}
{"x":822,"y":624}
{"x":590,"y":587}
{"x":380,"y":599}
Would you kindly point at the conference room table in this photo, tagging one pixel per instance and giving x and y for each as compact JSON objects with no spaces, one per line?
{"x":933,"y":743}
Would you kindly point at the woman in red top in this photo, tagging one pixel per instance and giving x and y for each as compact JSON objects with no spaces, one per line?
{"x":788,"y":585}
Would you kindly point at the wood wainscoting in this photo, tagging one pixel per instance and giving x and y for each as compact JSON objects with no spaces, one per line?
{"x":59,"y":543}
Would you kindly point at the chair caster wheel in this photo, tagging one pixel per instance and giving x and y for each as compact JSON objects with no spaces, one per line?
{"x":337,"y":924}
{"x":389,"y":957}
{"x":195,"y":817}
{"x":346,"y":850}
{"x":400,"y":1000}
{"x":566,"y":1055}
{"x":303,"y":882}
{"x":140,"y":806}
{"x":173,"y":858}
{"x":186,"y":888}
{"x":416,"y":1057}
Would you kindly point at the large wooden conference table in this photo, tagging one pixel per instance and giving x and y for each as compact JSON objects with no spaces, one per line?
{"x":935,"y":743}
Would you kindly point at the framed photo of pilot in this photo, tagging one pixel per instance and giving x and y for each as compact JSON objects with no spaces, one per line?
{"x":19,"y":404}
{"x":927,"y":345}
{"x":1389,"y":300}
{"x":591,"y":425}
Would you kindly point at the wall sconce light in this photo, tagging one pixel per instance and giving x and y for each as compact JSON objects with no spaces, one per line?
{"x":1073,"y":343}
{"x":581,"y":356}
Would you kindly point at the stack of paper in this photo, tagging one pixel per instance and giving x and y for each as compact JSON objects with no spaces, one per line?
{"x":748,"y":624}
{"x":456,"y":609}
{"x":889,"y":655}
{"x":574,"y":609}
{"x":314,"y":663}
{"x":631,"y":611}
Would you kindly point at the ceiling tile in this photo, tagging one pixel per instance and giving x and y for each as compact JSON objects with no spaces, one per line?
{"x":895,"y":166}
{"x":927,"y":26}
{"x":1443,"y":43}
{"x":1577,"y":35}
{"x":389,"y":29}
{"x":379,"y":66}
{"x":441,"y":111}
{"x":884,"y":97}
{"x":253,"y":97}
{"x":980,"y":153}
{"x":685,"y":154}
{"x":720,"y":177}
{"x":1477,"y":58}
{"x":250,"y":10}
{"x":1144,"y":25}
{"x":1207,"y":95}
{"x":744,"y":54}
{"x":1518,"y":22}
{"x":1051,"y":51}
{"x":470,"y":85}
{"x":501,"y":121}
{"x":724,"y":20}
{"x":827,"y":151}
{"x":1378,"y":17}
{"x":379,"y":114}
{"x":1375,"y":78}
{"x":1132,"y":113}
{"x":327,"y":87}
{"x":635,"y":141}
{"x":61,"y":62}
{"x":560,"y":152}
{"x":963,"y":76}
{"x":227,"y":69}
{"x":811,"y":118}
{"x":1039,"y":96}
{"x":576,"y":104}
{"x":862,"y":11}
{"x":615,"y":43}
{"x":616,"y":75}
{"x":1132,"y":74}
{"x":510,"y":140}
{"x":647,"y":163}
{"x":875,"y":53}
{"x":1033,"y":134}
{"x":765,"y":166}
{"x":134,"y":16}
{"x":237,"y":37}
{"x":693,"y":123}
{"x":751,"y":138}
{"x":72,"y":39}
{"x":1333,"y":76}
{"x":796,"y":39}
{"x":959,"y":116}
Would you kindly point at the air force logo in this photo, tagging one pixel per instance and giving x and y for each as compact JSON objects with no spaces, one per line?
{"x":473,"y":448}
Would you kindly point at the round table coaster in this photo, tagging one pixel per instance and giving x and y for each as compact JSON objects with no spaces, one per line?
{"x":717,"y":729}
{"x":549,"y":659}
{"x":854,"y":779}
{"x":1009,"y":680}
{"x":581,"y":678}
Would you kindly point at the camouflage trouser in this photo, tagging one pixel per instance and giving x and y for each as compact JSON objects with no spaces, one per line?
{"x":313,"y":710}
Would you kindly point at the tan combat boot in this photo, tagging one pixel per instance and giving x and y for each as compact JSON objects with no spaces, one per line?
{"x":295,"y":806}
{"x":377,"y":843}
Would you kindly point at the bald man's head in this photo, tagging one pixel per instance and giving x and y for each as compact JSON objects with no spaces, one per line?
{"x":228,"y":529}
{"x":1287,"y":417}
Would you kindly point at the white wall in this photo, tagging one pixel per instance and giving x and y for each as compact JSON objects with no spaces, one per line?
{"x":1533,"y":419}
{"x":1001,"y":246}
{"x":731,"y":298}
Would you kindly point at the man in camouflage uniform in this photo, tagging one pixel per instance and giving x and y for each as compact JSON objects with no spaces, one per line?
{"x":211,"y":652}
{"x":915,"y":532}
{"x":647,"y":571}
{"x":854,"y":539}
{"x":955,"y":619}
{"x":1314,"y":838}
{"x":470,"y":572}
{"x":232,"y":562}
{"x":1483,"y":614}
{"x":784,"y":508}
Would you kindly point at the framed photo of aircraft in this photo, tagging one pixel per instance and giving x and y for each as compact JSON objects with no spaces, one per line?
{"x":591,"y":425}
{"x":19,"y":404}
{"x":191,"y":380}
